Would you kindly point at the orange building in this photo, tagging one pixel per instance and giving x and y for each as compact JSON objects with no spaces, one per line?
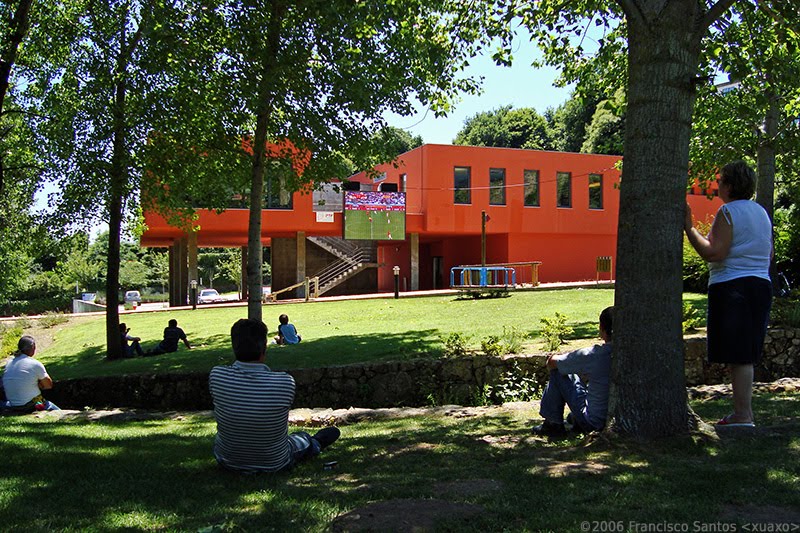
{"x":559,"y":209}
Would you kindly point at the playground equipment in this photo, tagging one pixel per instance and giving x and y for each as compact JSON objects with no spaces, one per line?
{"x":482,"y":279}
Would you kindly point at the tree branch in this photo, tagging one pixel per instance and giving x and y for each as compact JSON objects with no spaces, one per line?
{"x":714,"y":13}
{"x":631,"y":9}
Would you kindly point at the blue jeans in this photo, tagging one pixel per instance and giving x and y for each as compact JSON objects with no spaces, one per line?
{"x":302,"y":446}
{"x":30,"y":408}
{"x":564,"y":390}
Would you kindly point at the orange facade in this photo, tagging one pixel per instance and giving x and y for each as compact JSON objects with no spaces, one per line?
{"x":568,"y":229}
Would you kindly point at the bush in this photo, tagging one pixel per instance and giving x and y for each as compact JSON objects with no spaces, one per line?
{"x":786,"y":312}
{"x":492,"y":346}
{"x":514,"y":386}
{"x":455,"y":345}
{"x":691,"y":318}
{"x":554,"y":330}
{"x":513,"y":339}
{"x":695,"y":269}
{"x":10,"y":338}
{"x":509,"y":342}
{"x":50,"y":319}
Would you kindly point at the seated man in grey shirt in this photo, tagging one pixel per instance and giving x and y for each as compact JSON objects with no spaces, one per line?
{"x":251,"y":405}
{"x":588,"y":403}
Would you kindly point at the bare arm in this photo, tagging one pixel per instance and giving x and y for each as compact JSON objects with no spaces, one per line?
{"x":46,"y":383}
{"x":186,"y":342}
{"x":717,"y":245}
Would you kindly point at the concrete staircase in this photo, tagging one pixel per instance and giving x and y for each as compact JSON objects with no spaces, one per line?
{"x":352,"y":258}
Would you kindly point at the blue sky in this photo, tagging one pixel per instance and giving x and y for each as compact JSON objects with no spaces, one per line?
{"x":520,"y":85}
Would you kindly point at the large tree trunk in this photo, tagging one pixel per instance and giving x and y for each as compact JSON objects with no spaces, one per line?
{"x":255,"y":252}
{"x":649,"y":394}
{"x":254,"y":245}
{"x":18,"y":28}
{"x":765,"y":191}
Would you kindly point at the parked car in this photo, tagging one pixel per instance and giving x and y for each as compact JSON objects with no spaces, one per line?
{"x":209,"y":296}
{"x":133,"y":296}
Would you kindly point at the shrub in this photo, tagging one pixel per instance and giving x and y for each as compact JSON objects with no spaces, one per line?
{"x":455,"y":345}
{"x":515,"y":386}
{"x":786,"y":312}
{"x":513,"y":339}
{"x":691,"y":318}
{"x":695,"y":269}
{"x":554,"y":330}
{"x":50,"y":319}
{"x":8,"y":344}
{"x":492,"y":346}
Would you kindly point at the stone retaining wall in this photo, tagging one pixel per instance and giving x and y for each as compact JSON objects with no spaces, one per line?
{"x":408,"y":383}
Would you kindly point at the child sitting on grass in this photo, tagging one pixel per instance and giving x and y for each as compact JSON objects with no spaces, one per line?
{"x":287,"y":333}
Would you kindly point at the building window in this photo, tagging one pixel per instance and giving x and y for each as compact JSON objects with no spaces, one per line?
{"x":531,"y":178}
{"x":277,"y":174}
{"x":497,"y":186}
{"x":595,"y":191}
{"x":403,"y":179}
{"x":461,"y":183}
{"x":564,"y":189}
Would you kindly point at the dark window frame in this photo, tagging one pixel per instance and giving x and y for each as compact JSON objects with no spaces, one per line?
{"x":527,"y":184}
{"x":462,"y":195}
{"x":497,"y":195}
{"x":560,"y":196}
{"x":598,"y":189}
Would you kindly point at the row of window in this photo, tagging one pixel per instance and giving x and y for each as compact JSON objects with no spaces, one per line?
{"x":497,"y":188}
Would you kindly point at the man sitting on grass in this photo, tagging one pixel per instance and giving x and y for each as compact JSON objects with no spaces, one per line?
{"x":25,"y":378}
{"x":172,"y":334}
{"x":588,"y":405}
{"x":251,"y":405}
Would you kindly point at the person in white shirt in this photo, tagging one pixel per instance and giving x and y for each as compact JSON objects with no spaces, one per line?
{"x":25,"y":378}
{"x":738,"y":250}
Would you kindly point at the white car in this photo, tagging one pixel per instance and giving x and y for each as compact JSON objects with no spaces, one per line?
{"x":209,"y":296}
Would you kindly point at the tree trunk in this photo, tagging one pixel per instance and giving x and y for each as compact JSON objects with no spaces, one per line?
{"x":765,"y":191}
{"x":649,"y":393}
{"x":765,"y":188}
{"x":254,"y":245}
{"x":18,"y":27}
{"x":255,"y":251}
{"x":118,"y":185}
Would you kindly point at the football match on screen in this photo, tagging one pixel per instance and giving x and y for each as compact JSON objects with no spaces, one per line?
{"x":375,"y":215}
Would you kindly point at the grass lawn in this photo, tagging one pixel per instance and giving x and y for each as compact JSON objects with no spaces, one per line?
{"x":334,"y":332}
{"x":80,"y":475}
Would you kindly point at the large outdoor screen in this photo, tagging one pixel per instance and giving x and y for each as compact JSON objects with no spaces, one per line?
{"x":377,"y":216}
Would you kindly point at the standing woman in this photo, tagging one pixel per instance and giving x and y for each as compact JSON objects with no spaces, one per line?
{"x":738,"y":250}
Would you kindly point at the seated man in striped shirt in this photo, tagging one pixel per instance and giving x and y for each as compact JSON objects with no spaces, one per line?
{"x":251,"y":405}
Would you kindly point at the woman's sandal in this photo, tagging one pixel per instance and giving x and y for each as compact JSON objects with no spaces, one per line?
{"x":725,"y":421}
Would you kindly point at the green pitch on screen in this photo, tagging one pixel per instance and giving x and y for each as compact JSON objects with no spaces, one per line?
{"x":375,"y":225}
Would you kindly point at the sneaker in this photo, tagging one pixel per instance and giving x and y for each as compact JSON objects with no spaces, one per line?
{"x":550,"y":429}
{"x":326,"y":436}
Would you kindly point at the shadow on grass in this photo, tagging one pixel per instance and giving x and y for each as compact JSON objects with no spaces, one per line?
{"x":216,"y":350}
{"x":161,"y":475}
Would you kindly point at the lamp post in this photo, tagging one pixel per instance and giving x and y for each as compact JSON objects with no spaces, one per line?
{"x":193,"y":285}
{"x":396,"y":270}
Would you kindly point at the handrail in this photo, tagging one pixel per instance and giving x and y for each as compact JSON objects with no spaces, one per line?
{"x":308,"y":283}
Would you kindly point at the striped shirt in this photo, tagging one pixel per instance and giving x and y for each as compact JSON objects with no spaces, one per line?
{"x":251,"y":405}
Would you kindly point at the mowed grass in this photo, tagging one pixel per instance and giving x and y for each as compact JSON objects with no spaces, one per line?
{"x":334,"y":332}
{"x":160,"y":475}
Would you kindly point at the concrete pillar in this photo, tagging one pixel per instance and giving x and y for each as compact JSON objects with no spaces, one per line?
{"x":414,"y":245}
{"x":191,"y":252}
{"x":301,"y":262}
{"x":184,"y":259}
{"x":178,"y":272}
{"x":244,"y":273}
